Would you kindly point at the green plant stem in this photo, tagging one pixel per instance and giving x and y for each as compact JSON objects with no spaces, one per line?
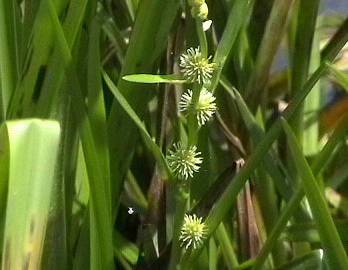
{"x":183,"y":189}
{"x":192,"y":123}
{"x":246,"y":265}
{"x":226,"y":246}
{"x":182,"y":197}
{"x":183,"y":193}
{"x":202,"y":38}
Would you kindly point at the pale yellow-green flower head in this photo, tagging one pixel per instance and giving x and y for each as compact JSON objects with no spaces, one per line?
{"x":200,"y":12}
{"x":196,"y":68}
{"x":192,"y":232}
{"x":184,"y":161}
{"x":196,"y":2}
{"x":199,"y":9}
{"x":204,"y":108}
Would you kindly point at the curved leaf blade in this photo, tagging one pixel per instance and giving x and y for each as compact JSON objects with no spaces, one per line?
{"x":152,"y":78}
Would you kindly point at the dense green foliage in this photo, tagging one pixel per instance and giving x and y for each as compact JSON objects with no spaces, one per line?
{"x":165,"y":134}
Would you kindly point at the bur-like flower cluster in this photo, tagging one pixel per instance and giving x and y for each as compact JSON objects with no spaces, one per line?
{"x":192,"y":232}
{"x":199,"y":9}
{"x":195,"y":67}
{"x":204,"y":108}
{"x":184,"y":161}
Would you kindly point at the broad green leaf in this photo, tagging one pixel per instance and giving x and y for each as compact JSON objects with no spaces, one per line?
{"x":152,"y":78}
{"x":33,"y":148}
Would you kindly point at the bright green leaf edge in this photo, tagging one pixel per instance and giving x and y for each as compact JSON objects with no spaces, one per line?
{"x":152,"y":78}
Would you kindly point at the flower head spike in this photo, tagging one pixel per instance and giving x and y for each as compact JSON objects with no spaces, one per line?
{"x":205,"y":107}
{"x":195,"y":67}
{"x":184,"y":161}
{"x":192,"y":232}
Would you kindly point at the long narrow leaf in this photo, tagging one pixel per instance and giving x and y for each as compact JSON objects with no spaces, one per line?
{"x":151,"y":78}
{"x":331,"y":241}
{"x":153,"y":147}
{"x":101,"y":234}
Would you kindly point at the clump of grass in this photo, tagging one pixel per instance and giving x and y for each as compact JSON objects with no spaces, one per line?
{"x":167,"y":137}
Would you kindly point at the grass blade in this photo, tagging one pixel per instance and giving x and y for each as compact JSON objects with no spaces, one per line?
{"x":331,"y":241}
{"x":148,"y":39}
{"x":273,"y":33}
{"x":153,"y":147}
{"x":150,"y":78}
{"x":100,"y":212}
{"x":289,"y":210}
{"x":236,"y":19}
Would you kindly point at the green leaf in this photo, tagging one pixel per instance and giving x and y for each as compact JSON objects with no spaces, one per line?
{"x":339,"y":76}
{"x":305,"y":58}
{"x":237,"y":17}
{"x":311,"y":261}
{"x":100,"y":206}
{"x":149,"y":37}
{"x":289,"y":210}
{"x":329,"y":236}
{"x":152,"y":78}
{"x":33,"y":148}
{"x":153,"y":147}
{"x":257,"y":133}
{"x":126,"y":248}
{"x":38,"y":51}
{"x":8,"y":54}
{"x":271,"y":40}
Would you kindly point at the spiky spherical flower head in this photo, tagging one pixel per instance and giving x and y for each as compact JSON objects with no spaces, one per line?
{"x":205,"y":107}
{"x":184,"y":161}
{"x":192,"y":232}
{"x":195,"y":67}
